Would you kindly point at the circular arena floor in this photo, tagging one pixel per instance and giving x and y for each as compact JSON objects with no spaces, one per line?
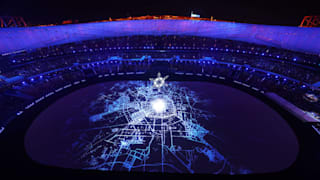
{"x":201,"y":128}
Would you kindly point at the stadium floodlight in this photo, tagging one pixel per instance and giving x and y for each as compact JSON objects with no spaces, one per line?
{"x":195,"y":15}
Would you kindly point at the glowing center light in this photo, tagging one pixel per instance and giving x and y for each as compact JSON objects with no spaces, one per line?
{"x":158,"y":105}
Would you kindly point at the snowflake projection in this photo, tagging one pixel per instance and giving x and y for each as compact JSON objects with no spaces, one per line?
{"x":159,"y":81}
{"x":135,"y":127}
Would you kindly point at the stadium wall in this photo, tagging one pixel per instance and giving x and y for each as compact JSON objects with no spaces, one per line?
{"x":292,"y":38}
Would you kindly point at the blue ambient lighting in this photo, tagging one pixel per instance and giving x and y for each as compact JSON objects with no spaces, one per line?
{"x":143,"y":122}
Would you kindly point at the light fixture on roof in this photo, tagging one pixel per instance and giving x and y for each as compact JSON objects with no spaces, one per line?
{"x":195,"y":15}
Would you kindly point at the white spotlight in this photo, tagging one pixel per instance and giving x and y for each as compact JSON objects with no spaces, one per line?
{"x":158,"y":105}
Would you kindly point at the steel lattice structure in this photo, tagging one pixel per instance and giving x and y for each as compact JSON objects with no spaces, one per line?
{"x":310,"y":21}
{"x":12,"y":21}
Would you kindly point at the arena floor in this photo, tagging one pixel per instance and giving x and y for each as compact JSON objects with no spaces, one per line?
{"x":202,"y":128}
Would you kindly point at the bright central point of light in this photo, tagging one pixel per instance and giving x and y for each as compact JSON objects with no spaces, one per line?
{"x":158,"y":105}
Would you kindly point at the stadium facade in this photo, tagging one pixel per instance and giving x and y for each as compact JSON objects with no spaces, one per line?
{"x":292,"y":38}
{"x":150,"y":115}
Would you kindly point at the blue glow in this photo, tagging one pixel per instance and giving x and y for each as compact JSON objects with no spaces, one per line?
{"x":292,"y":38}
{"x":140,"y":123}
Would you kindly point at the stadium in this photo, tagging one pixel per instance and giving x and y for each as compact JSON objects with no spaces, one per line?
{"x":154,"y":95}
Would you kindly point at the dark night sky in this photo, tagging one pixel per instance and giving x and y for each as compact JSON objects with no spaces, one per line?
{"x":260,"y":12}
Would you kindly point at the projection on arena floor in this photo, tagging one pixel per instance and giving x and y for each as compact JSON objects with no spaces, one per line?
{"x":165,"y":126}
{"x":153,"y":127}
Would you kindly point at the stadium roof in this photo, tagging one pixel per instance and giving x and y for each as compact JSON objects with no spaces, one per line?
{"x":291,"y":38}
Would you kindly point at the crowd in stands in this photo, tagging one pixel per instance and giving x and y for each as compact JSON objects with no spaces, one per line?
{"x":286,"y":73}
